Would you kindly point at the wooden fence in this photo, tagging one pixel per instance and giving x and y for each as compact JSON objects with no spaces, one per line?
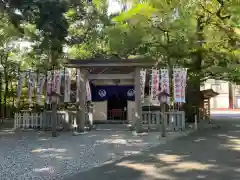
{"x":66,"y":120}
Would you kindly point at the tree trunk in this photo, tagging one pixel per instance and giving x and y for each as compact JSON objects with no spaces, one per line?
{"x":13,"y":100}
{"x":82,"y":102}
{"x":54,"y":119}
{"x":194,"y":83}
{"x":1,"y":77}
{"x":5,"y":93}
{"x":163,"y":110}
{"x":54,"y":103}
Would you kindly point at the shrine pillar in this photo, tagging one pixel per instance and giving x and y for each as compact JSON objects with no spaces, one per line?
{"x":81,"y":109}
{"x":138,"y":104}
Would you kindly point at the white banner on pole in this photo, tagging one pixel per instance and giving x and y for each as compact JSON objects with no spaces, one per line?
{"x":88,"y":89}
{"x":40,"y":85}
{"x":57,"y":81}
{"x":183,"y":84}
{"x":67,"y":85}
{"x":49,"y":86}
{"x":78,"y":76}
{"x":19,"y":87}
{"x":177,"y":85}
{"x":154,"y":86}
{"x":31,"y":85}
{"x":164,"y":82}
{"x":142,"y":83}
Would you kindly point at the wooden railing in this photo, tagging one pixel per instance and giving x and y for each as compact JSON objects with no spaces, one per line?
{"x":175,"y":120}
{"x":66,"y":120}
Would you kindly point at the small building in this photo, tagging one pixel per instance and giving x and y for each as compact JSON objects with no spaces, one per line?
{"x":229,"y":94}
{"x":115,"y":86}
{"x":205,"y":105}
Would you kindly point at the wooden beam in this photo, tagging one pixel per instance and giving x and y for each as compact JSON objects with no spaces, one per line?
{"x":71,"y":65}
{"x":111,"y":76}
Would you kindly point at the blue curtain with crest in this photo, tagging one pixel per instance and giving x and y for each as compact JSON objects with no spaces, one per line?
{"x":102,"y":93}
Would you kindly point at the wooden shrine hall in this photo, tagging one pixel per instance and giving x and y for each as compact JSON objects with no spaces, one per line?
{"x":115,"y":86}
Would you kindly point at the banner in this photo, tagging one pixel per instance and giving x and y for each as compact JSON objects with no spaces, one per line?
{"x":78,"y":76}
{"x":31,"y":85}
{"x":164,"y":82}
{"x":21,"y":76}
{"x":154,"y":86}
{"x":142,"y":83}
{"x":88,"y":89}
{"x":49,"y":86}
{"x":67,"y":85}
{"x":177,"y":88}
{"x":57,"y":81}
{"x":183,"y":85}
{"x":40,"y":85}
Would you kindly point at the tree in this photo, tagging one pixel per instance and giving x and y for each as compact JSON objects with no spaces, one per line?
{"x":52,"y":24}
{"x":199,"y":35}
{"x":8,"y":34}
{"x":86,"y":31}
{"x":47,"y":17}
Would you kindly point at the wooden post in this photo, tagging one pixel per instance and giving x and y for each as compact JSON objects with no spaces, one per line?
{"x":209,"y":110}
{"x":138,"y":103}
{"x":54,"y":118}
{"x":195,"y":122}
{"x":163,"y":110}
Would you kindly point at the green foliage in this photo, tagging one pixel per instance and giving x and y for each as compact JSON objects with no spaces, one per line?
{"x":169,"y":31}
{"x":200,"y":35}
{"x":86,"y":37}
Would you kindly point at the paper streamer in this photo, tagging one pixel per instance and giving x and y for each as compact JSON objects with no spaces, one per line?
{"x":21,"y":76}
{"x":142,"y":83}
{"x":154,"y":86}
{"x":49,"y":86}
{"x":183,"y":85}
{"x":67,"y":85}
{"x":78,"y":84}
{"x":57,"y":81}
{"x":177,"y":89}
{"x":40,"y":85}
{"x":88,"y":89}
{"x":31,"y":85}
{"x":164,"y":82}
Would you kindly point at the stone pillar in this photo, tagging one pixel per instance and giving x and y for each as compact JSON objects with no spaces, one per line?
{"x":138,"y":103}
{"x":81,"y":113}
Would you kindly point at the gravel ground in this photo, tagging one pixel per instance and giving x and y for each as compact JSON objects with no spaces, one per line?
{"x":37,"y":156}
{"x":208,"y":154}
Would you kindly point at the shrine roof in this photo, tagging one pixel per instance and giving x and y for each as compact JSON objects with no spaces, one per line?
{"x":209,"y":93}
{"x":109,"y":62}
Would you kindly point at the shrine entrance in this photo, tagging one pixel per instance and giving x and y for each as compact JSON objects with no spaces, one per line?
{"x":117,"y":107}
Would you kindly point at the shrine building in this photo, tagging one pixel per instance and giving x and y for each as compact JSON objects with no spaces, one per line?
{"x":115,"y":87}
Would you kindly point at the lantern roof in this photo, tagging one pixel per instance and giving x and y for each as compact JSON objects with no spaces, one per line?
{"x":163,"y":93}
{"x":54,"y":93}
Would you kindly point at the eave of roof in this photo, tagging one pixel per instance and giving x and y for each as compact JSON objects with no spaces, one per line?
{"x":109,"y":62}
{"x":209,"y":93}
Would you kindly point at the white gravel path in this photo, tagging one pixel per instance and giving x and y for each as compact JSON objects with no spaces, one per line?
{"x":38,"y":156}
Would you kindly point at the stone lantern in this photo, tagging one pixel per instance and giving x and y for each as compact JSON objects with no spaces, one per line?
{"x":54,"y":100}
{"x":163,"y":97}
